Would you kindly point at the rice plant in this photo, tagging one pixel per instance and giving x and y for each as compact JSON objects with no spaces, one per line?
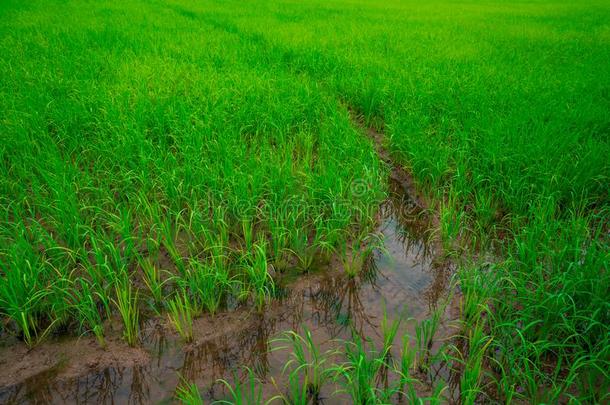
{"x":127,"y":304}
{"x":470,"y":384}
{"x":309,"y":368}
{"x":279,"y":241}
{"x":180,"y":315}
{"x":170,"y":230}
{"x":424,"y":333}
{"x":354,"y":253}
{"x":188,"y":393}
{"x":359,"y":374}
{"x":247,"y":228}
{"x":303,"y":247}
{"x":245,"y":392}
{"x":259,"y":282}
{"x":405,"y":369}
{"x":209,"y":283}
{"x":86,"y":303}
{"x":389,"y":331}
{"x":153,"y":279}
{"x":26,"y":289}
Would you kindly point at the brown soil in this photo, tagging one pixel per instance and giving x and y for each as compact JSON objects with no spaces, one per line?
{"x":65,"y":359}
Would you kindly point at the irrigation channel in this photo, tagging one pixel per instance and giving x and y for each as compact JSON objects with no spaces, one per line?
{"x":409,"y":280}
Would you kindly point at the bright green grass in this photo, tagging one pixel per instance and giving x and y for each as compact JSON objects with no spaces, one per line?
{"x":184,"y":127}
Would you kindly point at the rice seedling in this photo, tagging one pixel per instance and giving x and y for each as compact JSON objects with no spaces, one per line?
{"x":209,"y":283}
{"x":389,"y":331}
{"x":170,"y":229}
{"x":278,"y":243}
{"x":296,"y":393}
{"x":354,"y":253}
{"x":107,"y":268}
{"x":188,"y":393}
{"x":86,"y":304}
{"x":437,"y":396}
{"x":153,"y":279}
{"x":452,"y":218}
{"x":424,"y":334}
{"x":406,"y":365}
{"x":127,"y":304}
{"x":470,"y":383}
{"x":245,"y":392}
{"x":309,"y":367}
{"x":218,"y":235}
{"x":259,"y":283}
{"x":26,"y":291}
{"x":304,"y":250}
{"x":248,"y":233}
{"x":180,"y":315}
{"x":359,"y":374}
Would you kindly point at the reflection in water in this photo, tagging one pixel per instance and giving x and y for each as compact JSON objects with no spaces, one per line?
{"x":408,"y":280}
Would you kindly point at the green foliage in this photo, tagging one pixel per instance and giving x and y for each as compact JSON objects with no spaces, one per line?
{"x":86,"y":303}
{"x":259,"y":283}
{"x":180,"y":314}
{"x":245,"y":392}
{"x":309,"y":369}
{"x":188,"y":393}
{"x":127,"y":304}
{"x":208,"y":284}
{"x":152,"y":277}
{"x":206,"y":143}
{"x":362,"y":371}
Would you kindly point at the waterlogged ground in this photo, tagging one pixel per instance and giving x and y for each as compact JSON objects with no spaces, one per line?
{"x":407,"y":281}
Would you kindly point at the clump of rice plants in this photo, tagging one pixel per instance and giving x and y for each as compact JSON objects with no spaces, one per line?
{"x":355,"y":252}
{"x":258,"y":282}
{"x":208,"y":283}
{"x":279,"y":242}
{"x":27,"y":280}
{"x":470,"y":383}
{"x":86,"y":303}
{"x":309,"y":368}
{"x":127,"y":304}
{"x":22,"y":301}
{"x":404,"y":368}
{"x":303,"y":246}
{"x":153,"y":279}
{"x":424,"y":334}
{"x":360,"y":372}
{"x":180,"y":314}
{"x":245,"y":392}
{"x":389,"y":330}
{"x":188,"y":393}
{"x":170,"y":228}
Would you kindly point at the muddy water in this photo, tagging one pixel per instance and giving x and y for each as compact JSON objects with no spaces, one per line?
{"x":407,"y":281}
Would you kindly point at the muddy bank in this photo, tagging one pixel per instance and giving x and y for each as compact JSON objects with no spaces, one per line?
{"x":29,"y":374}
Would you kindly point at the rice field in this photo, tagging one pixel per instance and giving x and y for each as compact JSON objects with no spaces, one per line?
{"x":344,"y":201}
